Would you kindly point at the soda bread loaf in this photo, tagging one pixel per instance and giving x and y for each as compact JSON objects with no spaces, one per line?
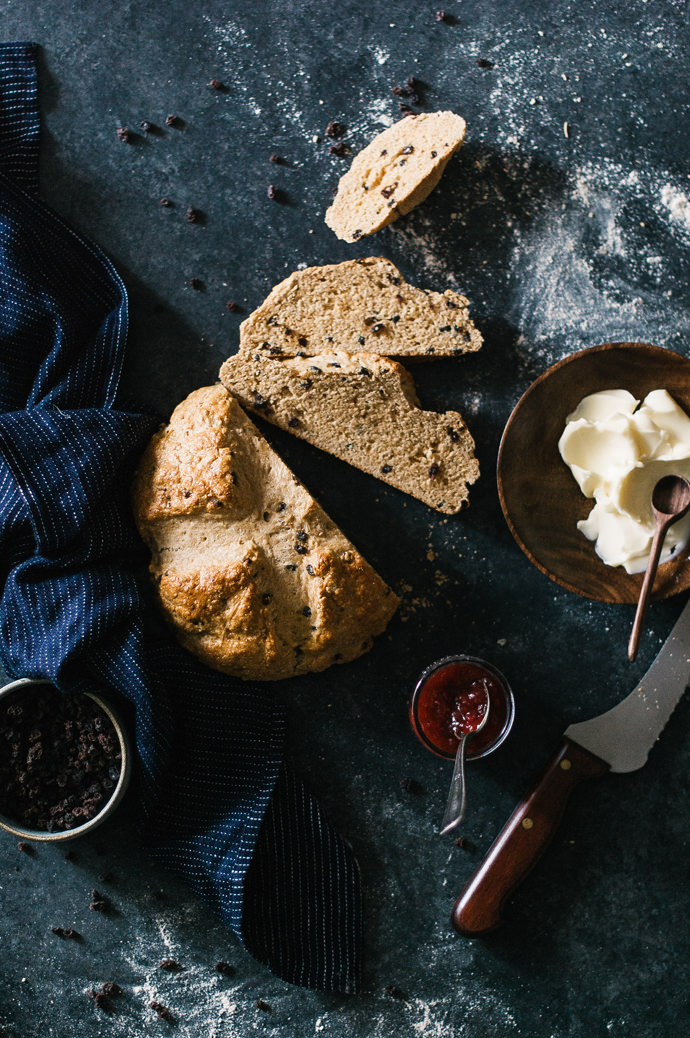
{"x":394,"y":173}
{"x":254,"y":577}
{"x":363,"y":408}
{"x":362,"y":304}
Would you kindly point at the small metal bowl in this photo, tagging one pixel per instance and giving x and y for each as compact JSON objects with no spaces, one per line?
{"x":41,"y":835}
{"x":500,"y":681}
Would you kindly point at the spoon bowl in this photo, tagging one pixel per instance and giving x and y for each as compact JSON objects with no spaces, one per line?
{"x":671,"y":497}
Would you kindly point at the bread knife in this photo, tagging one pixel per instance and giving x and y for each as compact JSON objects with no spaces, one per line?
{"x":618,"y":741}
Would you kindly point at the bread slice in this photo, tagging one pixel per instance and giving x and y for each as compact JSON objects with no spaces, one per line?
{"x":394,"y":173}
{"x":363,"y":408}
{"x":362,"y":304}
{"x":254,"y":577}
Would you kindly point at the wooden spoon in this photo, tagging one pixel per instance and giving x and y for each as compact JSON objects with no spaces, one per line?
{"x":670,"y":502}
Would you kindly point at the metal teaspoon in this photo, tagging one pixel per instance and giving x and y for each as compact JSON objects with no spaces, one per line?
{"x":457,"y":795}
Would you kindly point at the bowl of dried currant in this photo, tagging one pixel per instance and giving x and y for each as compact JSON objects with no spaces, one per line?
{"x":65,"y":761}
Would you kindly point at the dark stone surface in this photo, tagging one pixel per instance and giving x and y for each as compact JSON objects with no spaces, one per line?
{"x":559,"y":241}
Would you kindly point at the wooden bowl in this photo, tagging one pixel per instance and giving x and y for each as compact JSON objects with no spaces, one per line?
{"x":541,"y":500}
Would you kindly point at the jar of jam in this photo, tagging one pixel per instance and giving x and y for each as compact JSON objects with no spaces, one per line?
{"x":443,"y":688}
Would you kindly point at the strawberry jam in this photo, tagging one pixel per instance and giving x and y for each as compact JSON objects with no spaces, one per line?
{"x":469,"y":708}
{"x":450,"y":700}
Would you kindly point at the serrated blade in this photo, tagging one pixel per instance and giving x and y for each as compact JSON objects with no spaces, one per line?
{"x":624,"y":735}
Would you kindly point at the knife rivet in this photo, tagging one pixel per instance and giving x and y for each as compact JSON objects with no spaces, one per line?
{"x":527,"y":823}
{"x":565,"y":764}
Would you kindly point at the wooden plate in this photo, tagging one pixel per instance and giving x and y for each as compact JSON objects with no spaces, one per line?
{"x":539,"y":497}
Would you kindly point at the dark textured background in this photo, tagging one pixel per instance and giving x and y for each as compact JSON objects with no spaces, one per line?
{"x":558,"y":242}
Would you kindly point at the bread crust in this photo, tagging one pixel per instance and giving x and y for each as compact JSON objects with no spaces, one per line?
{"x":251,"y":573}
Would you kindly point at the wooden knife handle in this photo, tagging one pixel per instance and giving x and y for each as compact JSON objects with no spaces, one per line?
{"x":523,"y":839}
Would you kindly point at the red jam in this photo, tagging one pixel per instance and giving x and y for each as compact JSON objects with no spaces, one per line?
{"x":469,"y":708}
{"x":451,"y":701}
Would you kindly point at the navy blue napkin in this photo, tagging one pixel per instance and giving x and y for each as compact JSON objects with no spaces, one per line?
{"x":218,"y":805}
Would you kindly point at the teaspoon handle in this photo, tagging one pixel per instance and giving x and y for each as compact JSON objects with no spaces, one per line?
{"x":455,"y":806}
{"x":646,"y":590}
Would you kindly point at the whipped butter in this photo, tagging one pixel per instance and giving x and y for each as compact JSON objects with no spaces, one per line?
{"x":617,"y":451}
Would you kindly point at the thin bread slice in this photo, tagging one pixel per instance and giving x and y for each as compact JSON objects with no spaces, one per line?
{"x":363,"y":304}
{"x":364,"y":409}
{"x":394,"y":173}
{"x":251,"y":573}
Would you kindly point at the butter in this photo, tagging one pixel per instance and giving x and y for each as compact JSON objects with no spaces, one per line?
{"x":617,"y":451}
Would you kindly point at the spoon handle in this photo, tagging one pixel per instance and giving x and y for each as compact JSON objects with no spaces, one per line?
{"x":646,"y":590}
{"x":455,"y":806}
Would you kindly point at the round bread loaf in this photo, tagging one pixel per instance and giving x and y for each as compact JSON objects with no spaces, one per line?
{"x":254,"y":577}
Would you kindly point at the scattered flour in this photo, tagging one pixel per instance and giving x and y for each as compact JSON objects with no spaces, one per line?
{"x":438,"y":1018}
{"x":677,"y":204}
{"x":230,"y":33}
{"x":373,"y":116}
{"x":595,"y":268}
{"x":381,"y":55}
{"x":283,"y":100}
{"x":587,"y":255}
{"x":428,"y":1021}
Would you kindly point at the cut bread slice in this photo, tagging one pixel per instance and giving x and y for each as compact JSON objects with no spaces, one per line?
{"x":250,"y":572}
{"x":364,"y":409}
{"x":362,"y":304}
{"x":394,"y":173}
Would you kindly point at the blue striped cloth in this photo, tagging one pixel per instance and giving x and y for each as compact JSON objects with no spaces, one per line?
{"x":218,"y":805}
